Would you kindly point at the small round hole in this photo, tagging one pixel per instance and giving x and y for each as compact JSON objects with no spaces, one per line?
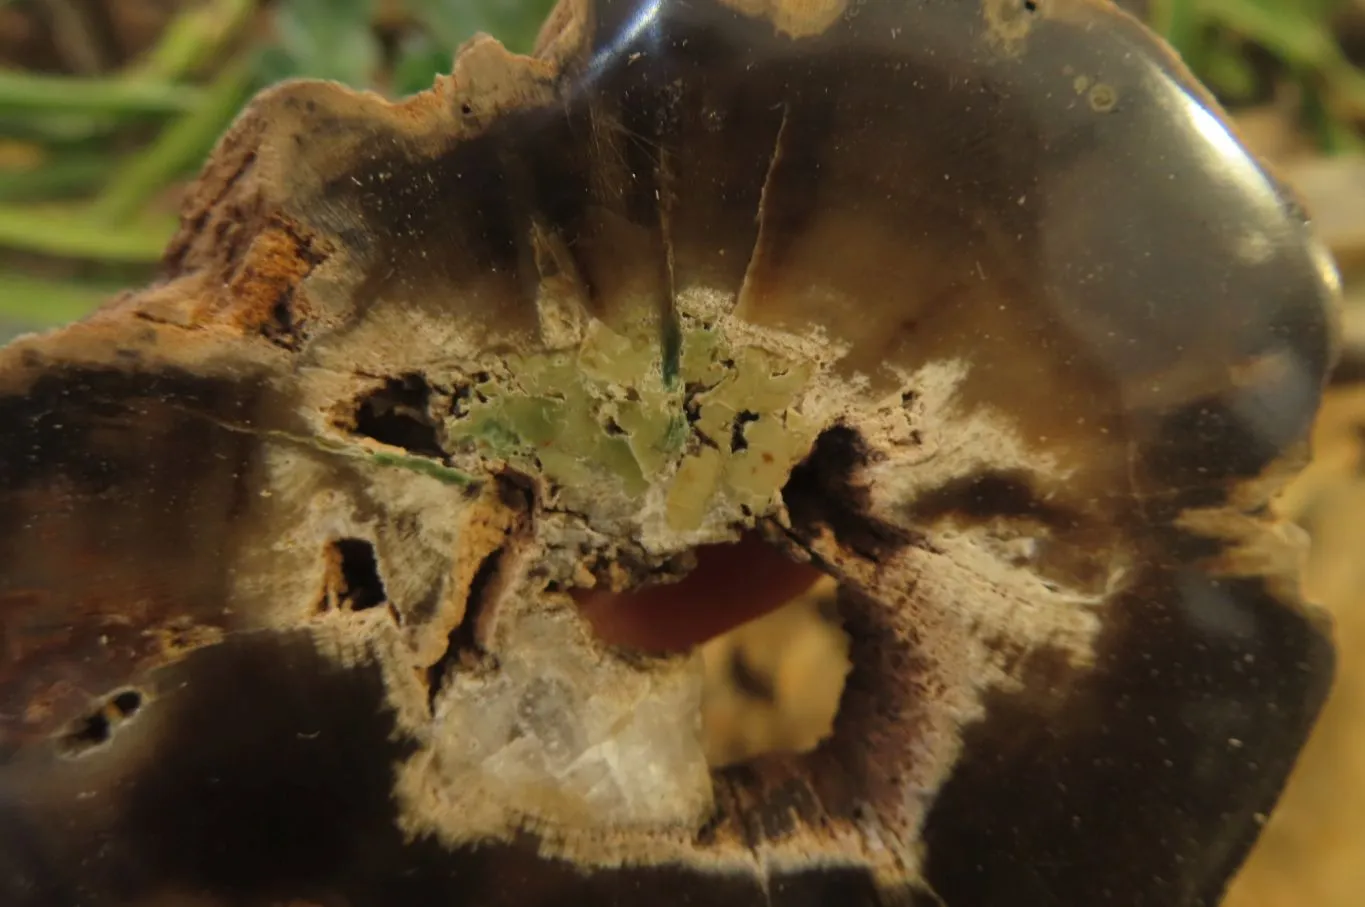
{"x":126,"y":703}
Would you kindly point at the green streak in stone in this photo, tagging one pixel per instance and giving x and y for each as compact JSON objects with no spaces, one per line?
{"x":435,"y":470}
{"x":671,"y":343}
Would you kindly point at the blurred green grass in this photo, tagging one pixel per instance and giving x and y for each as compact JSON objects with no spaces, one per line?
{"x":94,"y":139}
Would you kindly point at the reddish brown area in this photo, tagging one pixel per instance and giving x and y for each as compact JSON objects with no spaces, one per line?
{"x":275,"y":262}
{"x":731,"y":585}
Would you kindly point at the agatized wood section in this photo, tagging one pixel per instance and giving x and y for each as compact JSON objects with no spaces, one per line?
{"x":977,"y":307}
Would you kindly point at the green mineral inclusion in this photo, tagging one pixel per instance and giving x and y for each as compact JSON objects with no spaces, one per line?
{"x":605,"y":412}
{"x":424,"y":466}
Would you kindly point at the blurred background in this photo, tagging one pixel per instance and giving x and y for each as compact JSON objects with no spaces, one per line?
{"x":108,"y":107}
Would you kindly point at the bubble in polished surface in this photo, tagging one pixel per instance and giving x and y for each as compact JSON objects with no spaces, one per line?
{"x":358,"y":560}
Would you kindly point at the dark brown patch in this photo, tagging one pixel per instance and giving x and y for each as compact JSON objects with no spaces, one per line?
{"x":79,"y":606}
{"x":824,"y":490}
{"x":987,"y":495}
{"x":1140,"y":783}
{"x":1201,"y":449}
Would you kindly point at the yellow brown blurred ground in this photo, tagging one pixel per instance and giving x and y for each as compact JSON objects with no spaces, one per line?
{"x":1313,"y":851}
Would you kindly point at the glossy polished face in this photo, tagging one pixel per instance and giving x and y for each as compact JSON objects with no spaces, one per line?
{"x":357,"y":561}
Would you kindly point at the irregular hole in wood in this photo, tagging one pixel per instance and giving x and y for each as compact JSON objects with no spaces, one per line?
{"x":282,"y":328}
{"x":752,"y":610}
{"x":126,"y":702}
{"x":98,"y":726}
{"x":398,"y":414}
{"x":737,"y":440}
{"x":775,"y":684}
{"x":352,"y":579}
{"x":463,"y":648}
{"x":87,"y":733}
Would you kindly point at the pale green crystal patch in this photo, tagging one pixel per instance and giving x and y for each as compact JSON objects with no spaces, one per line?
{"x":605,"y":412}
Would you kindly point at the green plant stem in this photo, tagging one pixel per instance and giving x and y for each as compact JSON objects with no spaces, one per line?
{"x":72,"y":109}
{"x":45,"y":94}
{"x":1286,"y":31}
{"x":1303,"y":40}
{"x":1334,"y":135}
{"x":41,"y":302}
{"x":1178,"y":22}
{"x":67,"y":234}
{"x":193,"y":39}
{"x":1345,"y":85}
{"x":178,"y":148}
{"x":63,"y":176}
{"x":59,"y":128}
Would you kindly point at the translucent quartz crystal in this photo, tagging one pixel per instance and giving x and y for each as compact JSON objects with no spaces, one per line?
{"x":978,"y":307}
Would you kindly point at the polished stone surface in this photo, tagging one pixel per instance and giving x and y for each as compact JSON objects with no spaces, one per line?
{"x":977,"y":306}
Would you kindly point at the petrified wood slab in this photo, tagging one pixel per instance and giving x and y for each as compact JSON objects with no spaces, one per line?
{"x":341,"y":565}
